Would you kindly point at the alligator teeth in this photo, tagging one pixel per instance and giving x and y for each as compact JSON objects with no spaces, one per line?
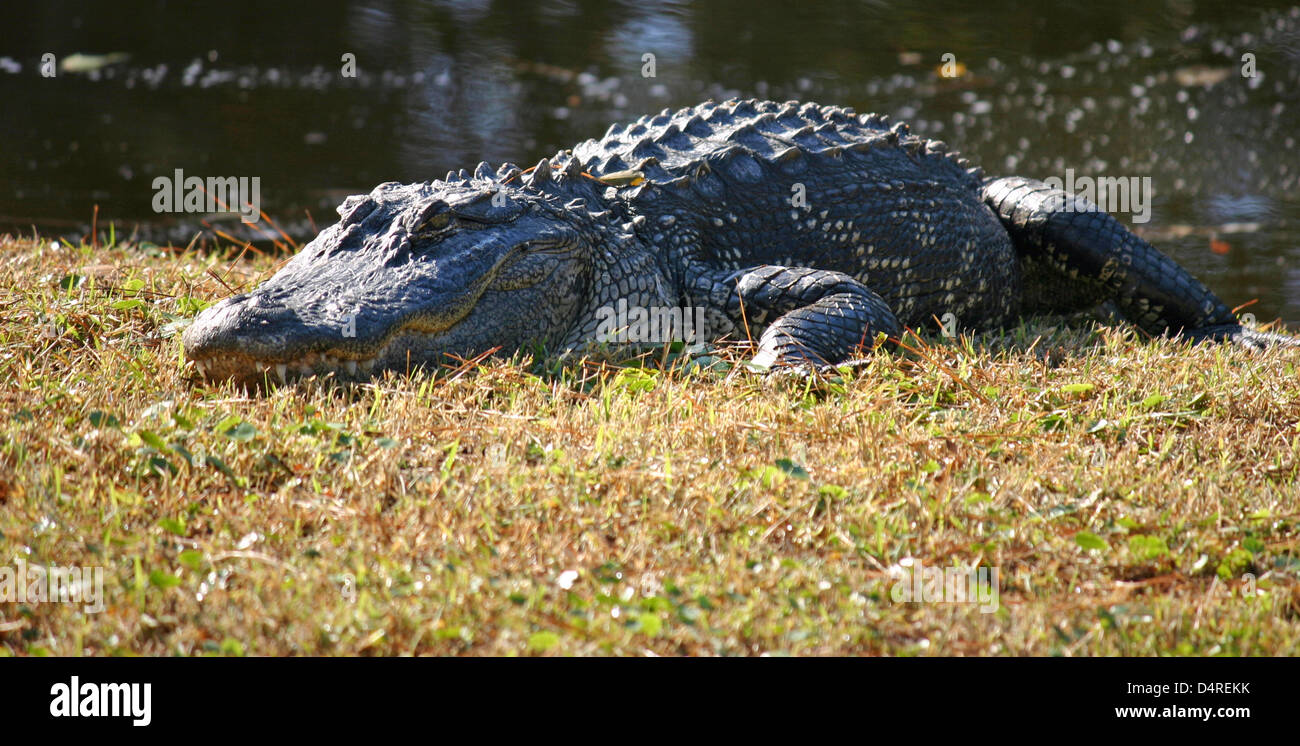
{"x":312,"y":364}
{"x":304,"y":367}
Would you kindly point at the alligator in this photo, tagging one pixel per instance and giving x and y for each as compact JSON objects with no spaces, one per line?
{"x":814,"y":229}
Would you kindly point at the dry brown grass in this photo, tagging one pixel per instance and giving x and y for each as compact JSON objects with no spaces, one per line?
{"x":688,"y":512}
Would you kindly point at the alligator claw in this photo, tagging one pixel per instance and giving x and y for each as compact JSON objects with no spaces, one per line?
{"x":1240,"y":336}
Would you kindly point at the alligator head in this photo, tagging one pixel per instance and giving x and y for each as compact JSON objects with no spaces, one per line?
{"x":414,"y":275}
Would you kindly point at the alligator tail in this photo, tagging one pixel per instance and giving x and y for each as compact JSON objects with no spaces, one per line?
{"x":1068,"y":242}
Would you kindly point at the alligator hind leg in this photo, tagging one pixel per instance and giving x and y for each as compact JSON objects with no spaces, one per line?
{"x":1080,"y":255}
{"x":807,"y":316}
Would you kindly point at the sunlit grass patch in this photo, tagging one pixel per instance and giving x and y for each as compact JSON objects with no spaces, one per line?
{"x":1138,"y":497}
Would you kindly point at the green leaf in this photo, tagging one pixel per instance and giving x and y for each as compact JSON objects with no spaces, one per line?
{"x":163,"y":579}
{"x":1091,"y":541}
{"x":192,"y":559}
{"x":152,"y":440}
{"x":240,"y":431}
{"x":190,"y":305}
{"x":220,"y":466}
{"x":1147,"y":547}
{"x":1154,"y":400}
{"x":158,"y":465}
{"x":651,"y":625}
{"x":103,"y":419}
{"x":1078,"y":388}
{"x":173,"y":525}
{"x":1234,"y":564}
{"x":184,"y":452}
{"x":767,"y":476}
{"x":1053,"y":421}
{"x":127,"y":304}
{"x":540,"y":642}
{"x":635,"y":380}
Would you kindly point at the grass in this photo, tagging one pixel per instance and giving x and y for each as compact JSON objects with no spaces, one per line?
{"x":1137,"y":497}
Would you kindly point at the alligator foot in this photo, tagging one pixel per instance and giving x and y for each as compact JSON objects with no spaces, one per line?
{"x":1240,"y":336}
{"x":810,"y":318}
{"x":816,"y":376}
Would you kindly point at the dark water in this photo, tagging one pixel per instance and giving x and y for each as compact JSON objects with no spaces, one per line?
{"x":1109,"y":88}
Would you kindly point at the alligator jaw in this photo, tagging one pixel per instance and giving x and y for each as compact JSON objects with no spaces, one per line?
{"x":223,"y":351}
{"x":243,"y":369}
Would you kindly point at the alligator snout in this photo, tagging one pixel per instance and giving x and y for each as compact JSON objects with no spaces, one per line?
{"x":247,"y":338}
{"x":231,"y":326}
{"x":224,"y":340}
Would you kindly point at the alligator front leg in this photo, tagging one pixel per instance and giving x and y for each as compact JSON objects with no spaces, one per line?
{"x":806,"y":316}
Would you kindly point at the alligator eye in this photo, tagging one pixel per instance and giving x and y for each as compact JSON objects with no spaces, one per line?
{"x":437,"y":222}
{"x":539,"y":244}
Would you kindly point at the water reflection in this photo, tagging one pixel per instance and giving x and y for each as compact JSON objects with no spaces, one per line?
{"x":1117,"y":88}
